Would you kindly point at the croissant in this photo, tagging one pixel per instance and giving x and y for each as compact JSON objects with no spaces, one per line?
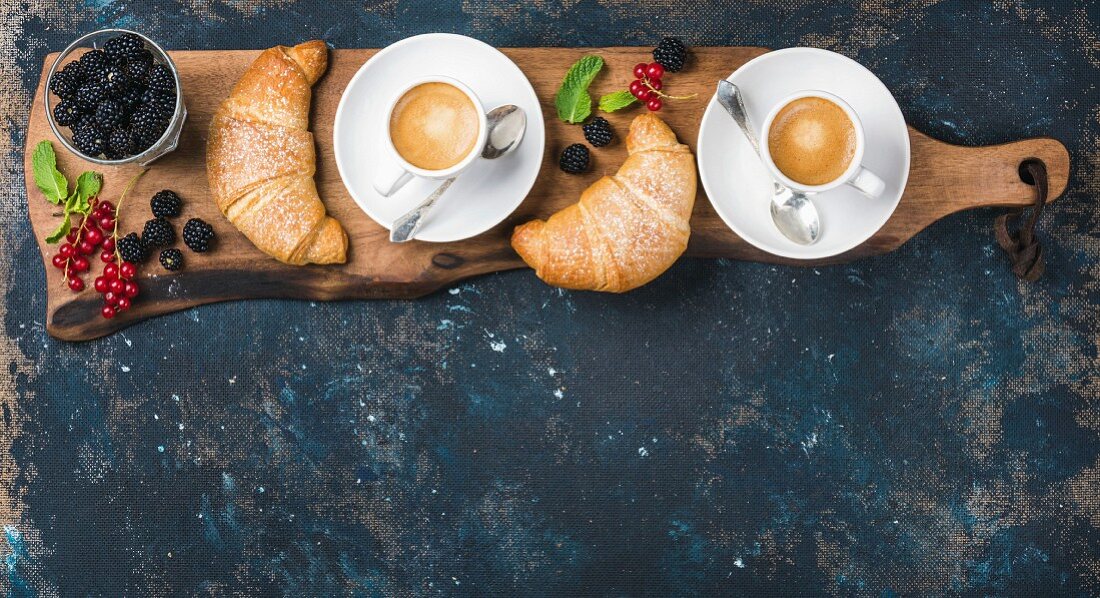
{"x":260,"y":159}
{"x":626,"y":229}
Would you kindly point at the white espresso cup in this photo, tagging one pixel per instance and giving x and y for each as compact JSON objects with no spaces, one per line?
{"x":394,"y":171}
{"x":856,"y":175}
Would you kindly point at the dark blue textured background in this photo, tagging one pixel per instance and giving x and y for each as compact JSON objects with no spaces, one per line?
{"x":914,"y":424}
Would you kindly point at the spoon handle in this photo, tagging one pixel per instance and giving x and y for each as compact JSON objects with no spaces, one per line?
{"x":730,"y":98}
{"x":405,"y":227}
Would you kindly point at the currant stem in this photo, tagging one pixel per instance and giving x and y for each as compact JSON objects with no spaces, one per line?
{"x":118,"y":206}
{"x":645,"y":82}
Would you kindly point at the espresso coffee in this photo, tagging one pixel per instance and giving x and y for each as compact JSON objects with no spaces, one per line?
{"x":434,"y":126}
{"x":812,"y":141}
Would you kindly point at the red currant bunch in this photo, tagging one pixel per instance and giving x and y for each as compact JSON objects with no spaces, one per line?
{"x":118,"y":287}
{"x":647,"y":86}
{"x":87,"y":236}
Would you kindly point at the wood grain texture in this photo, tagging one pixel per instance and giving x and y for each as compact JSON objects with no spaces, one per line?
{"x":944,"y":179}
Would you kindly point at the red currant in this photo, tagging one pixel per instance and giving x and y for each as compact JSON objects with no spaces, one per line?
{"x":655,"y":83}
{"x":107,"y":256}
{"x":654,"y":104}
{"x":107,"y":207}
{"x":111,"y":298}
{"x":123,"y":304}
{"x":100,"y":284}
{"x":110,"y":271}
{"x":85,"y":247}
{"x":635,"y":85}
{"x":639,"y":70}
{"x":80,"y":263}
{"x":130,"y":289}
{"x":127,"y":270}
{"x":66,"y":250}
{"x":76,"y":284}
{"x":71,"y":237}
{"x":641,"y":93}
{"x":651,"y":95}
{"x":106,"y":222}
{"x":654,"y":70}
{"x":108,"y":244}
{"x":94,"y":236}
{"x":59,"y":261}
{"x":116,"y":286}
{"x":108,"y":312}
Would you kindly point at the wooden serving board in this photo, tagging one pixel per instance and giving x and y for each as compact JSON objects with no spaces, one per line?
{"x":944,"y":179}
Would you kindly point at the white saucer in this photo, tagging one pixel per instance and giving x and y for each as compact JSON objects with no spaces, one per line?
{"x":740,"y":188}
{"x":485,"y":193}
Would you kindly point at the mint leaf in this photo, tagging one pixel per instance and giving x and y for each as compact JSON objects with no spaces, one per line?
{"x":87,"y":187}
{"x":572,"y":100}
{"x":47,"y":177}
{"x":617,"y":100}
{"x":62,"y":230}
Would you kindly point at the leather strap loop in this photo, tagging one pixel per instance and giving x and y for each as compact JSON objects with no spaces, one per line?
{"x":1022,"y":247}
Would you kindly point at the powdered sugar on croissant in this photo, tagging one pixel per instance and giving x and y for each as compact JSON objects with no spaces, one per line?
{"x":626,"y":229}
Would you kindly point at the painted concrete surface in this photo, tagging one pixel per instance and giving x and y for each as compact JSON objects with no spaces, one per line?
{"x":919,"y":423}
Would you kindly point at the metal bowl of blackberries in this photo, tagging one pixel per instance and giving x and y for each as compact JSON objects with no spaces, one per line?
{"x":114,"y":97}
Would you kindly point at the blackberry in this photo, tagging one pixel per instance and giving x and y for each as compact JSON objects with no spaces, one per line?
{"x":147,"y":126}
{"x":121,"y":142}
{"x":131,"y":249}
{"x":108,"y":114}
{"x":64,"y":83}
{"x":137,"y":67}
{"x":92,"y":64}
{"x":574,"y":159}
{"x":161,"y":79}
{"x":115,"y":80}
{"x":197,"y":235}
{"x":598,"y":132}
{"x":158,"y":232}
{"x":90,"y":141}
{"x":171,"y":259}
{"x":89,"y":94}
{"x":124,"y":45}
{"x":67,"y":113}
{"x":130,"y":98}
{"x":165,"y":104}
{"x":671,"y":54}
{"x":166,"y":204}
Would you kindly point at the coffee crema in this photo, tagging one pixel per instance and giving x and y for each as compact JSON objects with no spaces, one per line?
{"x":434,"y":126}
{"x":812,"y":141}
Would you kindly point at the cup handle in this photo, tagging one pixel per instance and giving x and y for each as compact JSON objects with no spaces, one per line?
{"x":390,"y":177}
{"x":868,"y":183}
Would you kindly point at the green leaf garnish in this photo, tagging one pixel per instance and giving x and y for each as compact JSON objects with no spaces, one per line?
{"x":87,"y":187}
{"x":617,"y":100}
{"x":62,"y":230}
{"x":572,"y":100}
{"x":47,"y":177}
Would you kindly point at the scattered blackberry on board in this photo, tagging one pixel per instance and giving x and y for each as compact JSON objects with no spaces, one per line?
{"x":574,"y":159}
{"x":131,"y":248}
{"x":67,"y":113}
{"x":121,"y":142}
{"x":108,"y":114}
{"x":171,"y":259}
{"x":158,"y":232}
{"x":123,"y":45}
{"x":64,"y":83}
{"x":166,"y":204}
{"x":598,"y":132}
{"x":671,"y":54}
{"x":197,"y":235}
{"x":161,"y":79}
{"x":90,"y":141}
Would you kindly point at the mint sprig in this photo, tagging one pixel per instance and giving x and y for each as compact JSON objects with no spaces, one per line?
{"x":617,"y":100}
{"x":572,"y":100}
{"x":53,"y":184}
